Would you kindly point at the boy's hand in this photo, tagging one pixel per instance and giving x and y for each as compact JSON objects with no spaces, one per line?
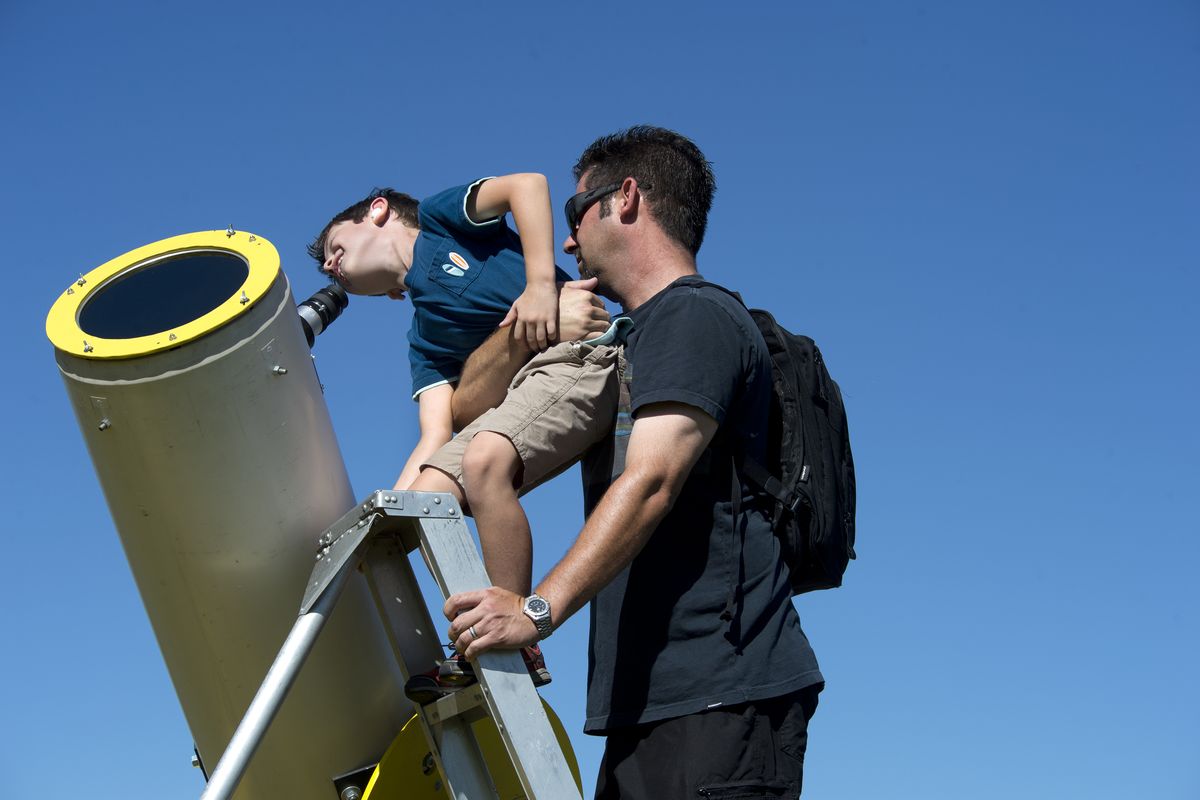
{"x":534,"y":316}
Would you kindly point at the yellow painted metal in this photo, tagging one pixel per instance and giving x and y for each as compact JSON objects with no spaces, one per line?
{"x":407,"y":771}
{"x":261,"y":257}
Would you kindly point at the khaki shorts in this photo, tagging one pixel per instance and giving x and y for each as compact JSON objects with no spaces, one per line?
{"x":560,"y":404}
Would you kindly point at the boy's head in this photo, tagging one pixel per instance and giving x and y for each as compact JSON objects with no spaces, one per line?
{"x":363,"y":247}
{"x":670,"y":170}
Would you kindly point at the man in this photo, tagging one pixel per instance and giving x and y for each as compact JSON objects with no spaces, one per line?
{"x":699,"y":673}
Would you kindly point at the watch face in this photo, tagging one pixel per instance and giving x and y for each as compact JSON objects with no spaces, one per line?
{"x":536,"y":605}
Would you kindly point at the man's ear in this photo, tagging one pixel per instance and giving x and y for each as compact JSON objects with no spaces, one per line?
{"x":629,"y":200}
{"x":380,"y":211}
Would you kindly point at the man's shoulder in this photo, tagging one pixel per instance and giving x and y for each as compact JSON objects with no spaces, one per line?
{"x":697,"y":301}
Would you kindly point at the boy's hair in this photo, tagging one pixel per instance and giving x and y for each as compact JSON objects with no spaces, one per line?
{"x":404,"y":206}
{"x":672,"y":172}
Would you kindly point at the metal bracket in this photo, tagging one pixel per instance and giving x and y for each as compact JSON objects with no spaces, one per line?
{"x":383,"y":512}
{"x":467,"y":703}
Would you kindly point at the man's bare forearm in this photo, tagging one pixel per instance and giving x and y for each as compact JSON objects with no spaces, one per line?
{"x":614,"y":534}
{"x":486,"y":375}
{"x":491,"y":368}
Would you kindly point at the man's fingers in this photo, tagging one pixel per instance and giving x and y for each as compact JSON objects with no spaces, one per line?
{"x":458,"y":603}
{"x":586,"y":284}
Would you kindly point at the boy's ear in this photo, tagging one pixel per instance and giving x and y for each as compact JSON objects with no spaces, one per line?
{"x":380,"y":211}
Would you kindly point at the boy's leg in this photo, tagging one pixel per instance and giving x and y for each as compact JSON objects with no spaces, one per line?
{"x":559,"y":404}
{"x":433,"y":479}
{"x":490,"y":467}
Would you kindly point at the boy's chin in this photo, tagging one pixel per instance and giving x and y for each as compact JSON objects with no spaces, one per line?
{"x":395,"y":294}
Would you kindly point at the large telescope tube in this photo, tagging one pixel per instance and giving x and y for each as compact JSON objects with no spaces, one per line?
{"x":187,"y":366}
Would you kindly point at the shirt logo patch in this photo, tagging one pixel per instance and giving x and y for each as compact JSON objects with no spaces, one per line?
{"x":459,"y":266}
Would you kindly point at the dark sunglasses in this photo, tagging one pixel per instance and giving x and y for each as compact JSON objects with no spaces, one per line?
{"x":578,"y":205}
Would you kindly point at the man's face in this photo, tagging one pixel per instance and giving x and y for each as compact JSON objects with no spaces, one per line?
{"x":586,"y":241}
{"x":360,"y":257}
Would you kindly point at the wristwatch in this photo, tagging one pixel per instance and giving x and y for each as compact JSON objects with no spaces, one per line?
{"x":537,"y":608}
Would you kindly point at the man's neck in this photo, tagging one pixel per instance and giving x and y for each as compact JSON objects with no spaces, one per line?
{"x":656,"y":269}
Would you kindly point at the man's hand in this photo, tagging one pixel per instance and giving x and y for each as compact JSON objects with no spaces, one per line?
{"x":581,"y":314}
{"x":489,"y":370}
{"x":534,"y":316}
{"x":487,"y":619}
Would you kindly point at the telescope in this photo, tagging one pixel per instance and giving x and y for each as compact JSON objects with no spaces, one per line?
{"x":188,"y":366}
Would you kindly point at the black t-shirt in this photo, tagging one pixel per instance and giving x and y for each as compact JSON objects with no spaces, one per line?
{"x":659,"y":647}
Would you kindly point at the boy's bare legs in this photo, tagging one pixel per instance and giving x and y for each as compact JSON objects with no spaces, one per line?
{"x":490,"y":467}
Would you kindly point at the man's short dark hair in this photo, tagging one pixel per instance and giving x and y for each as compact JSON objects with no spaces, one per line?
{"x":670,"y":170}
{"x":404,"y":206}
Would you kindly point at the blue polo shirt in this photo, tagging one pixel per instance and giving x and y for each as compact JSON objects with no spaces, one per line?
{"x":465,"y":276}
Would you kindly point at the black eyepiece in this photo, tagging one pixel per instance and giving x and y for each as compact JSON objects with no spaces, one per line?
{"x":319,"y":311}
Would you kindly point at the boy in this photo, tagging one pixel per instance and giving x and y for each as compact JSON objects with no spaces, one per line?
{"x":467,"y":273}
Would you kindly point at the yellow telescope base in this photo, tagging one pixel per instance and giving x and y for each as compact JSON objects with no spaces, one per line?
{"x":407,"y":771}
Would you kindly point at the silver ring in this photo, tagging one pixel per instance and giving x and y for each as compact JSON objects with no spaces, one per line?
{"x":471,"y":630}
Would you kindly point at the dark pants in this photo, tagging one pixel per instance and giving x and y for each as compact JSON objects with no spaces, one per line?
{"x":747,"y":750}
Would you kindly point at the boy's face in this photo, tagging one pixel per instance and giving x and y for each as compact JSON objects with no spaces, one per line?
{"x":363,"y":259}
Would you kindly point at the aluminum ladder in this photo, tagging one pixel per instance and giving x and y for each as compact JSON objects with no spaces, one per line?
{"x":377,"y":536}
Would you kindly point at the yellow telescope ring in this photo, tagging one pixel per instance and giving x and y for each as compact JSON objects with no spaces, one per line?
{"x":63,"y":322}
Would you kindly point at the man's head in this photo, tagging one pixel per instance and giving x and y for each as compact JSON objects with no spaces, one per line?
{"x":672,"y":174}
{"x":367,"y":248}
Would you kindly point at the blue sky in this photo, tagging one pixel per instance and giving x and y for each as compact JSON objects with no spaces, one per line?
{"x":984,"y":213}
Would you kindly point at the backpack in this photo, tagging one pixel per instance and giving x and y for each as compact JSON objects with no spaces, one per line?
{"x":809,"y":470}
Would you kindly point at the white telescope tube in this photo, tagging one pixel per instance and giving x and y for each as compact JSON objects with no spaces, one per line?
{"x":193,"y":385}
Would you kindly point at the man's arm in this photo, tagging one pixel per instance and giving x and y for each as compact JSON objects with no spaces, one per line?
{"x":489,"y":370}
{"x":433,"y":411}
{"x":666,"y":441}
{"x":534,"y":315}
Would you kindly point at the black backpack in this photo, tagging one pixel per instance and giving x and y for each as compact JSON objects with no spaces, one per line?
{"x":809,"y":470}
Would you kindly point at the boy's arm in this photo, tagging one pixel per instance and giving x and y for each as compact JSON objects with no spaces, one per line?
{"x":433,"y":411}
{"x":489,"y":370}
{"x":534,"y":315}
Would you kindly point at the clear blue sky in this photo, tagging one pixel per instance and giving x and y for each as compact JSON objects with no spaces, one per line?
{"x":986,"y":214}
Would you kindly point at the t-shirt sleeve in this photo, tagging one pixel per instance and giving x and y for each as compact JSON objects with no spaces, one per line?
{"x":430,"y":369}
{"x":691,"y":350}
{"x":445,"y":213}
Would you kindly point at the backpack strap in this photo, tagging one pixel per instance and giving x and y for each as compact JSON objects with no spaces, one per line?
{"x":739,"y":532}
{"x":789,"y":499}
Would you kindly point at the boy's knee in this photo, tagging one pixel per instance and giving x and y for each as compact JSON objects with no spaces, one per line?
{"x":490,"y":458}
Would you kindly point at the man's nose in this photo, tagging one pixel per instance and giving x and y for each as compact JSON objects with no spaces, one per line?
{"x":570,"y":245}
